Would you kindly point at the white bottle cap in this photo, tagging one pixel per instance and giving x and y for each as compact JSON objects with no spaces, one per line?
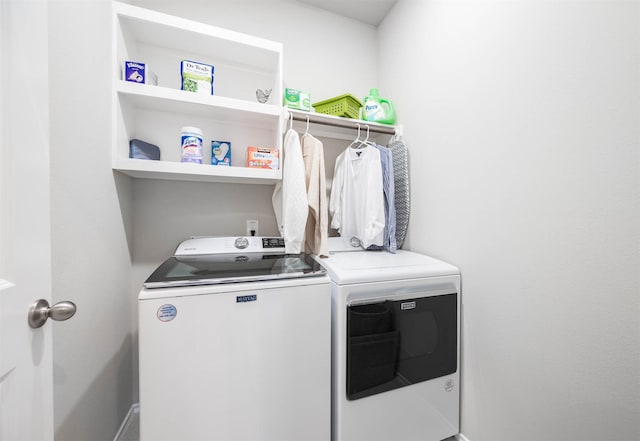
{"x":193,"y":130}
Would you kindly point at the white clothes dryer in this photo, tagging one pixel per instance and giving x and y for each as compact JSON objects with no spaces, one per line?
{"x":395,"y":345}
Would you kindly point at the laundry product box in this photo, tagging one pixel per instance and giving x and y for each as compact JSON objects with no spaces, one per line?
{"x":262,"y":157}
{"x":196,"y":77}
{"x":220,"y":153}
{"x":296,"y":99}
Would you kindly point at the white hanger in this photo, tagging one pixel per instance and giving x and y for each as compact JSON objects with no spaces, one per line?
{"x":357,"y":140}
{"x":366,"y":141}
{"x":306,"y":132}
{"x":290,"y":120}
{"x":362,"y":142}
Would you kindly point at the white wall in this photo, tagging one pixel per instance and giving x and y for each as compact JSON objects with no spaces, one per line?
{"x":93,"y":375}
{"x":522,"y":120}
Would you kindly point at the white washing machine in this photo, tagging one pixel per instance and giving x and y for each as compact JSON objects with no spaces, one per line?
{"x":396,"y":345}
{"x":234,"y":344}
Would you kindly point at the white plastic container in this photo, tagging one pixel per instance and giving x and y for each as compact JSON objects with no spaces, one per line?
{"x":191,"y":139}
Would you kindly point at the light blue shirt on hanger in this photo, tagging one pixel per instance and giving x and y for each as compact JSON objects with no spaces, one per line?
{"x":386,"y":160}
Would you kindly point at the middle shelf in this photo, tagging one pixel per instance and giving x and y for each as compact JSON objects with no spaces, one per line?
{"x":224,"y":109}
{"x":156,"y":115}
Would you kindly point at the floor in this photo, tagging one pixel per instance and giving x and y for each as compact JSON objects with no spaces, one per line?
{"x":131,"y":429}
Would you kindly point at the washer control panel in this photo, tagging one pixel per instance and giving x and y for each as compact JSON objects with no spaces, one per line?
{"x":272,"y":242}
{"x":230,"y":245}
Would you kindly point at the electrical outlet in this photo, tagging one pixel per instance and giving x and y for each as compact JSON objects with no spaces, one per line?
{"x":252,"y":228}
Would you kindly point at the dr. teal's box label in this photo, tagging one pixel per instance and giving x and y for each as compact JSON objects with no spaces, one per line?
{"x":196,"y":77}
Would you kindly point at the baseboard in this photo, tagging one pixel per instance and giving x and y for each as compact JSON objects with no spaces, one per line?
{"x":461,"y":437}
{"x":135,"y":407}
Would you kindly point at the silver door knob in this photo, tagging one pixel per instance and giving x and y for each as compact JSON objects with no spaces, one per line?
{"x":40,"y":311}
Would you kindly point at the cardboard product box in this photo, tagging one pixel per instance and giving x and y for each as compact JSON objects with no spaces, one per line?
{"x":260,"y":157}
{"x":196,"y":77}
{"x":137,"y":72}
{"x":220,"y":153}
{"x":296,"y":99}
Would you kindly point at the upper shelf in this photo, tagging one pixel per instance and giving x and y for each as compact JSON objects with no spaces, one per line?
{"x":242,"y":63}
{"x":144,"y":26}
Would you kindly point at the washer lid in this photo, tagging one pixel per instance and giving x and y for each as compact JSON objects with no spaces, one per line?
{"x":379,"y":266}
{"x":212,"y":269}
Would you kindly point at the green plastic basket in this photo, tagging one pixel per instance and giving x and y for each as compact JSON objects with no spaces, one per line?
{"x":344,"y":105}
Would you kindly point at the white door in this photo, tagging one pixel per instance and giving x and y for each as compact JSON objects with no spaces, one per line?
{"x":26,"y":388}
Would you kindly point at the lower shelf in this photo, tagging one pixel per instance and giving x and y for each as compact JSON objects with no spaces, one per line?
{"x":178,"y":171}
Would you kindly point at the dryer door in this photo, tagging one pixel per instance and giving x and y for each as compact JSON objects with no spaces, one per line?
{"x":394,"y":344}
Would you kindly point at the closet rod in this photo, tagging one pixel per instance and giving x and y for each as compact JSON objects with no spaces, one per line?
{"x":342,"y":122}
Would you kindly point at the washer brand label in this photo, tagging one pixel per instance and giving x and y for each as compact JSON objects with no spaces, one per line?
{"x":245,"y":299}
{"x":166,"y":313}
{"x":408,"y":305}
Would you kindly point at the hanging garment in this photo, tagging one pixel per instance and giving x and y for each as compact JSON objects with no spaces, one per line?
{"x":400,"y":155}
{"x":316,"y":232}
{"x":357,"y":197}
{"x":289,"y":197}
{"x":386,"y":161}
{"x":337,"y":187}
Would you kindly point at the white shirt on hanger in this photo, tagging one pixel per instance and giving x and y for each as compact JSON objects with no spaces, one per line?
{"x":289,"y":198}
{"x":357,"y":198}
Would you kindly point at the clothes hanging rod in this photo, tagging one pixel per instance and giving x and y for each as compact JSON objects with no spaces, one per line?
{"x":335,"y":121}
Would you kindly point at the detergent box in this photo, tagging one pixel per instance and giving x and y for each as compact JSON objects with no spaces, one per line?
{"x":220,"y":153}
{"x":296,"y":99}
{"x":260,"y":157}
{"x":196,"y":77}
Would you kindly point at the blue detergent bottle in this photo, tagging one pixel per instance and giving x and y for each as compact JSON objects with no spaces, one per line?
{"x":378,"y":109}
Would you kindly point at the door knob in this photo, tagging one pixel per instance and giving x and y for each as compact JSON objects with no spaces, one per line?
{"x":40,"y":311}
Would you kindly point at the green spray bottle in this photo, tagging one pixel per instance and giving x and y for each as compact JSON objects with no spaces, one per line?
{"x":378,"y":109}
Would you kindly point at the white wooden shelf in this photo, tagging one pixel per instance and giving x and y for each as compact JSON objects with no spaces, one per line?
{"x":179,"y":171}
{"x":341,"y":122}
{"x":338,"y":127}
{"x":164,"y":99}
{"x":148,"y":27}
